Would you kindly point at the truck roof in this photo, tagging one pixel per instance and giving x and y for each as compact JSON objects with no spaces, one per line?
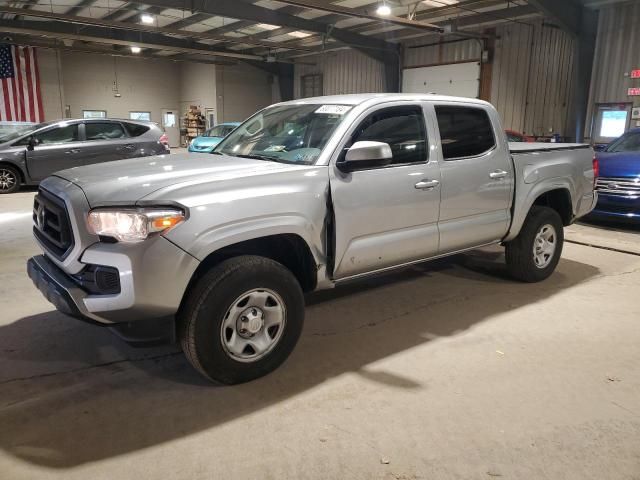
{"x":359,"y":98}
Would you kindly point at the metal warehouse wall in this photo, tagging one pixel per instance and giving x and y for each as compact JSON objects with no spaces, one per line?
{"x":616,"y":53}
{"x":531,"y":81}
{"x":532,"y":68}
{"x":343,"y":71}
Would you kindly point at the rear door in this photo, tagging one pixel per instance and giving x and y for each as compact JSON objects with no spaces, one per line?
{"x":57,"y":148}
{"x":105,"y":141}
{"x":477,"y":176}
{"x":383,"y":215}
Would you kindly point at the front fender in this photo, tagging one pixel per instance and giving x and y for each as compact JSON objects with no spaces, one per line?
{"x":217,"y":237}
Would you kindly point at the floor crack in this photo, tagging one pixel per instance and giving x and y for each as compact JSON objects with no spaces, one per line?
{"x":90,"y":367}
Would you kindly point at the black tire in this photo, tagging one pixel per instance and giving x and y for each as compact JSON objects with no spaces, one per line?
{"x":520,"y":251}
{"x":201,"y":318}
{"x":9,"y":179}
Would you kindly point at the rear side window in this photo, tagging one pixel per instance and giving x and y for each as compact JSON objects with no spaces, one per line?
{"x":103,"y":131}
{"x":135,"y":130}
{"x":401,"y":127}
{"x":464,"y":131}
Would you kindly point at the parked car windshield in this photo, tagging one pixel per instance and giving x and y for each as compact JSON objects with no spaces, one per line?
{"x":286,"y":133}
{"x":219,"y":131}
{"x":629,"y":142}
{"x":21,"y":130}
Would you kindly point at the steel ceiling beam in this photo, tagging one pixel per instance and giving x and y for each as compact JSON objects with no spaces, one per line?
{"x":256,"y":14}
{"x":567,"y":13}
{"x":115,"y":37}
{"x":113,"y":24}
{"x":356,"y":13}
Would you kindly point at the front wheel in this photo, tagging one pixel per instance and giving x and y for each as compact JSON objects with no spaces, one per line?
{"x":9,"y":179}
{"x":534,"y":254}
{"x":242,"y":319}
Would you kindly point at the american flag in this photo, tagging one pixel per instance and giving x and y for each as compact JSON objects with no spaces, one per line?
{"x":20,"y":99}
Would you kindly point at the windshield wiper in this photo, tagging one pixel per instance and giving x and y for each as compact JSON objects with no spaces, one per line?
{"x":259,"y":157}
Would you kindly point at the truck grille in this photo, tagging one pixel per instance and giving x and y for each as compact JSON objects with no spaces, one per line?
{"x":625,"y":187}
{"x":51,"y":224}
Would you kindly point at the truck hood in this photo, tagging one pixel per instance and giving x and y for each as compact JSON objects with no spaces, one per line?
{"x":125,"y":182}
{"x":621,"y":164}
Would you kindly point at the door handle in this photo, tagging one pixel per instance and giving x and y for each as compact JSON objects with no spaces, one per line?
{"x":427,"y":184}
{"x":72,"y":151}
{"x":498,"y":174}
{"x":130,"y":147}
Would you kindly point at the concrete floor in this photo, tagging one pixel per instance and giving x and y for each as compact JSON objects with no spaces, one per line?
{"x":443,"y":371}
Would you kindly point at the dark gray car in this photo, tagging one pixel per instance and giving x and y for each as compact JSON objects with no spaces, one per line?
{"x":36,"y":151}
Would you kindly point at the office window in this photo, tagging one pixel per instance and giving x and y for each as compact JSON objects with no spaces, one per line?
{"x":311,"y":85}
{"x":94,"y":114}
{"x":140,"y":116}
{"x":464,"y":131}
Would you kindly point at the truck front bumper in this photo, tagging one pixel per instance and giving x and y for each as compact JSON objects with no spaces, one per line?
{"x":151,"y":279}
{"x":59,"y":289}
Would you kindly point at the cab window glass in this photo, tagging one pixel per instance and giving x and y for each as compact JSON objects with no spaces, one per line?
{"x":66,"y":134}
{"x":103,"y":131}
{"x":464,"y":131}
{"x":400,"y":127}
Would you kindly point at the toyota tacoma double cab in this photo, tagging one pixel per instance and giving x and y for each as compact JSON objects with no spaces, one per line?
{"x":303,"y":196}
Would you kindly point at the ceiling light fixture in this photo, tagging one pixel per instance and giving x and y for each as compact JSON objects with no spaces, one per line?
{"x":383,"y":10}
{"x":146,"y":18}
{"x":266,"y":26}
{"x":298,"y":34}
{"x":135,"y":49}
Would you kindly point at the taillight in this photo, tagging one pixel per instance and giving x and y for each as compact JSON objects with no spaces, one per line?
{"x":596,"y":170}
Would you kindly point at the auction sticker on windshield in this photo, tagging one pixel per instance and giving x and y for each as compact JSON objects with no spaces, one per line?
{"x":334,"y":109}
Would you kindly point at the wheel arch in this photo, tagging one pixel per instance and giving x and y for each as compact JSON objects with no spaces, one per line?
{"x":555,"y":196}
{"x":288,"y":249}
{"x":23,"y":177}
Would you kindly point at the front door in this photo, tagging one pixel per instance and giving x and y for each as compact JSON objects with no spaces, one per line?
{"x":386,"y":216}
{"x":56,"y":148}
{"x":477,"y":177}
{"x":170,"y":123}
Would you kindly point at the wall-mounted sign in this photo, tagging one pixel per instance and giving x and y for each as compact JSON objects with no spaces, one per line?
{"x":634,"y":92}
{"x":635,"y":73}
{"x":635,"y":113}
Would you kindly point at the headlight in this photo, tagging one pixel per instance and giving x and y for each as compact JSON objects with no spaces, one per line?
{"x":133,"y":225}
{"x":191,"y":142}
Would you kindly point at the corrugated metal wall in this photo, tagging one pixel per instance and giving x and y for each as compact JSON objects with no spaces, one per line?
{"x":532,"y":68}
{"x":344,"y":71}
{"x":617,"y":52}
{"x":532,"y":74}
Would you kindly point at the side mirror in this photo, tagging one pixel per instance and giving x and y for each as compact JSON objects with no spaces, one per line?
{"x":33,"y":141}
{"x":600,"y":147}
{"x":366,"y":154}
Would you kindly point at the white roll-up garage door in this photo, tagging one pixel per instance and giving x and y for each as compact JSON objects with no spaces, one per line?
{"x":458,"y":79}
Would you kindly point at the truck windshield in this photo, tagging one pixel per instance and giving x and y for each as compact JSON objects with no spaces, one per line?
{"x":287,"y":133}
{"x":629,"y":142}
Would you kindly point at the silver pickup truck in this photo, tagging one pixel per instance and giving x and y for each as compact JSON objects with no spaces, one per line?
{"x":303,"y":196}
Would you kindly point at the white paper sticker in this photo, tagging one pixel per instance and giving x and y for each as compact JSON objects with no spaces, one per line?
{"x":334,"y":109}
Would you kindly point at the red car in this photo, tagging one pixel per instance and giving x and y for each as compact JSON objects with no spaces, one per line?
{"x":514,"y":136}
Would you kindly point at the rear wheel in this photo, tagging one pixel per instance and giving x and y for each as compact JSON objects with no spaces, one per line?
{"x":242,"y":319}
{"x":9,"y":179}
{"x":534,"y":254}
